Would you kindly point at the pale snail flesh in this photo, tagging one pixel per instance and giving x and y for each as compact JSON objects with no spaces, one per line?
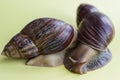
{"x":43,"y":42}
{"x":95,"y":33}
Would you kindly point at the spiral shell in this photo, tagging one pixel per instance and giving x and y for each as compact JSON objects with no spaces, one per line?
{"x":49,"y":35}
{"x":83,"y":10}
{"x":96,"y":31}
{"x":40,"y":37}
{"x":48,"y":41}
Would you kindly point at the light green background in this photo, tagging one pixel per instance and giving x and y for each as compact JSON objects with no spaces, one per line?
{"x":15,"y":14}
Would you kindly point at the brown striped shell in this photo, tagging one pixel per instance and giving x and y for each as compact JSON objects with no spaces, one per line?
{"x":96,"y":31}
{"x":40,"y":37}
{"x":83,"y":10}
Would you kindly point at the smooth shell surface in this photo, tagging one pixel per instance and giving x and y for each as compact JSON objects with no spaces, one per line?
{"x":96,"y":31}
{"x":49,"y":35}
{"x":83,"y":10}
{"x":40,"y":37}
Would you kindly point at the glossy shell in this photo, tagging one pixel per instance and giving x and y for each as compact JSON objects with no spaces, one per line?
{"x":49,"y":35}
{"x":45,"y":35}
{"x":83,"y":10}
{"x":96,"y":31}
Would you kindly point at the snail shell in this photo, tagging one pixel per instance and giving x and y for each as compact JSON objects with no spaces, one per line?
{"x":44,"y":37}
{"x":83,"y":10}
{"x":95,"y":33}
{"x":96,"y":30}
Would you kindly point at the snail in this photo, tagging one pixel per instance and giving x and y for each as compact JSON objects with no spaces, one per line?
{"x":43,"y":42}
{"x":52,"y":42}
{"x":95,"y":33}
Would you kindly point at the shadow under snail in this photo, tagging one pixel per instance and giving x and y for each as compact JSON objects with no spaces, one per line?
{"x":52,"y":42}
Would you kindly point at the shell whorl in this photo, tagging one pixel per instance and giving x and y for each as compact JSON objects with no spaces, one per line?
{"x":25,"y":46}
{"x":96,"y":30}
{"x":20,"y":46}
{"x":95,"y":33}
{"x":83,"y":10}
{"x":40,"y":37}
{"x":49,"y":35}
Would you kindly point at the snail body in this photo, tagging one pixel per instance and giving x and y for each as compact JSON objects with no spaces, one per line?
{"x":94,"y":35}
{"x":47,"y":38}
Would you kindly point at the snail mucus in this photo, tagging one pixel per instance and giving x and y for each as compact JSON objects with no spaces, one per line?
{"x":95,"y":33}
{"x":52,"y":42}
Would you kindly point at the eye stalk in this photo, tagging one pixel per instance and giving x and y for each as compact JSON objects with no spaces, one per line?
{"x":95,"y":34}
{"x":49,"y":41}
{"x":84,"y":59}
